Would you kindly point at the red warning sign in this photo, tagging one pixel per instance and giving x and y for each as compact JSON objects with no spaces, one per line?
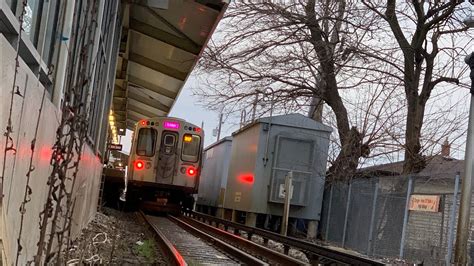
{"x":427,"y":203}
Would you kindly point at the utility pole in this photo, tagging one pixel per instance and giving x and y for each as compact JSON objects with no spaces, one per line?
{"x":219,"y":127}
{"x":286,"y":208}
{"x":462,"y":234}
{"x":254,"y":106}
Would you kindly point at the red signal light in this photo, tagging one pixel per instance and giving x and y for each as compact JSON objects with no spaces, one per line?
{"x":191,"y":171}
{"x":139,"y":165}
{"x":247,"y":178}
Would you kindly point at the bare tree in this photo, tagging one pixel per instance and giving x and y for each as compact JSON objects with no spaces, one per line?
{"x":425,"y":60}
{"x":341,"y":54}
{"x":302,"y":49}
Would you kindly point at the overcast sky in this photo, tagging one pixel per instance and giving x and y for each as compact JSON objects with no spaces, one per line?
{"x":188,"y":107}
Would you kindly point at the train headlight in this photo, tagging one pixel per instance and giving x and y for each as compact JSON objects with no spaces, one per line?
{"x":139,"y":165}
{"x":191,"y":171}
{"x":188,"y":138}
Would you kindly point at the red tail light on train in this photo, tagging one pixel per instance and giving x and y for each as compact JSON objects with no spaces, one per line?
{"x":139,"y":165}
{"x":191,"y":171}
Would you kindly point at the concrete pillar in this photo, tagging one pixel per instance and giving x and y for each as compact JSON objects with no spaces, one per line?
{"x":312,"y":229}
{"x":251,"y":219}
{"x":234,"y":216}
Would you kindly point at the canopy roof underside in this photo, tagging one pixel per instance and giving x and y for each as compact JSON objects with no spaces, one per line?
{"x":160,"y":44}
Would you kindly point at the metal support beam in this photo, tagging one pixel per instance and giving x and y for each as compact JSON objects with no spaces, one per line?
{"x":141,"y":111}
{"x":164,"y":36}
{"x":328,"y":219}
{"x":121,"y":71}
{"x":405,"y":217}
{"x":120,"y":116}
{"x":150,"y":86}
{"x":370,"y":245}
{"x":119,"y":93}
{"x":134,"y":117}
{"x":119,"y":101}
{"x":462,"y":234}
{"x":171,"y":26}
{"x":148,"y":100}
{"x":346,"y":216}
{"x":452,"y":219}
{"x":151,"y":64}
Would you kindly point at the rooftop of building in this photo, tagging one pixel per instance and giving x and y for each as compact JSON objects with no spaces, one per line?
{"x":437,"y":166}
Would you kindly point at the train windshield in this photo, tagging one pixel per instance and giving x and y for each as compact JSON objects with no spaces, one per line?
{"x":146,"y":142}
{"x":191,"y":144}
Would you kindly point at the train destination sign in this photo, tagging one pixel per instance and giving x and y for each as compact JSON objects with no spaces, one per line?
{"x":427,"y":203}
{"x":115,"y":147}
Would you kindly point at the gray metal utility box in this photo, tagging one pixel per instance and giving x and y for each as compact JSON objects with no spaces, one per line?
{"x":213,"y":180}
{"x":264,"y":152}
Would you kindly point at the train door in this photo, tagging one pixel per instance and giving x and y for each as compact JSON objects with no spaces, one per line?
{"x":167,"y":157}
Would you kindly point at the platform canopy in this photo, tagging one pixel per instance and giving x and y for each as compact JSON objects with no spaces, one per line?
{"x":160,"y":44}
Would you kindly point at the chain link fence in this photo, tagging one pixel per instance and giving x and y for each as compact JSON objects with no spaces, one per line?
{"x":406,"y":217}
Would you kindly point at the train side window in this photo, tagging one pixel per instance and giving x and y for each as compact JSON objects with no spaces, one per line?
{"x":191,"y":148}
{"x":146,"y":142}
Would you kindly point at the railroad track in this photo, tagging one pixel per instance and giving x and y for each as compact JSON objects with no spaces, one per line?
{"x":185,"y":240}
{"x":317,"y":254}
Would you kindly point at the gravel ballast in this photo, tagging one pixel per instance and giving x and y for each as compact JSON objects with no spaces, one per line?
{"x":115,"y":237}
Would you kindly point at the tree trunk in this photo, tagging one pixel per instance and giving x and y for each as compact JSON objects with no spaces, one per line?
{"x":352,"y":149}
{"x":414,"y":161}
{"x":316,"y":109}
{"x":345,"y":165}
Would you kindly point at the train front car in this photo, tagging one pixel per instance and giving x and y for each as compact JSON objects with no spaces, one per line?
{"x":164,"y":164}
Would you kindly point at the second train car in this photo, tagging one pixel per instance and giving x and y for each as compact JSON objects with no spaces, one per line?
{"x":164,"y":164}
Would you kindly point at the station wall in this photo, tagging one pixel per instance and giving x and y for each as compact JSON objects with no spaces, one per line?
{"x":60,"y":24}
{"x":24,"y":119}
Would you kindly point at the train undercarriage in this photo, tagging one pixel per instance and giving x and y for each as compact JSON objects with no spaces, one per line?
{"x":144,"y":195}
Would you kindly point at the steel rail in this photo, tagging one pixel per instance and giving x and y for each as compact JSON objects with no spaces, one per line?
{"x":271,"y":256}
{"x":312,"y":249}
{"x":174,"y":257}
{"x":229,"y":249}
